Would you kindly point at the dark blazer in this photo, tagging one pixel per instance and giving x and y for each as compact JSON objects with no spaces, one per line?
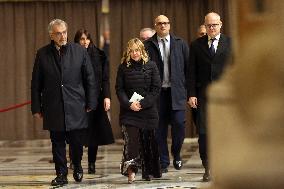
{"x":57,"y":87}
{"x":99,"y":131}
{"x":100,"y":65}
{"x":179,"y":59}
{"x":144,"y":80}
{"x":203,"y":69}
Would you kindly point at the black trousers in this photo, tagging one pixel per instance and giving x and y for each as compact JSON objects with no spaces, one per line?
{"x":131,"y":149}
{"x":150,"y":163}
{"x":140,"y":145}
{"x":202,"y":141}
{"x":199,"y":118}
{"x":175,"y":118}
{"x":59,"y":140}
{"x":92,"y":154}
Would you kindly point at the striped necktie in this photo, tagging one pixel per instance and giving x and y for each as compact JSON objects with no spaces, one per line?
{"x":212,"y":49}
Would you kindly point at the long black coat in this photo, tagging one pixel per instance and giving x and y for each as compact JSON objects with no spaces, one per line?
{"x":62,"y":87}
{"x":203,"y":70}
{"x":179,"y":59}
{"x":144,"y":80}
{"x":100,"y":132}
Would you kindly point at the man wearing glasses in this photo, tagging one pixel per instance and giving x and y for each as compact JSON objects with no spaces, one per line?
{"x":171,"y":55}
{"x":62,"y":92}
{"x":208,"y":57}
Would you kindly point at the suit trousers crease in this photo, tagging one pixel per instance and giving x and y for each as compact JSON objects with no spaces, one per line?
{"x":175,"y":118}
{"x":59,"y":140}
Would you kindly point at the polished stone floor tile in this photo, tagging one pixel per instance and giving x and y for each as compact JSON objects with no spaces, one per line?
{"x":28,"y":164}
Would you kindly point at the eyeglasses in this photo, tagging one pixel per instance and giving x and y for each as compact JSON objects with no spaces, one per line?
{"x":59,"y":34}
{"x":212,"y":25}
{"x":162,"y":23}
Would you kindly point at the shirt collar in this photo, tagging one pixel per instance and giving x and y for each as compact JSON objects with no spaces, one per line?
{"x":57,"y":47}
{"x":167,"y":38}
{"x":216,"y":38}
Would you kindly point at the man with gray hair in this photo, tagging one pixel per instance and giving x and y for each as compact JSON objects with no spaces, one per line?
{"x":146,"y":33}
{"x":62,"y":92}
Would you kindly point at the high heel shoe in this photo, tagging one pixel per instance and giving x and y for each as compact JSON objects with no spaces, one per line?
{"x":131,"y":176}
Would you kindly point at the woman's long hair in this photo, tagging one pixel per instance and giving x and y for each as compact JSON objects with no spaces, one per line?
{"x":126,"y":54}
{"x":79,"y":34}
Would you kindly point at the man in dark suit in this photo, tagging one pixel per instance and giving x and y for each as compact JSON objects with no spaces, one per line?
{"x":62,"y":92}
{"x":171,"y":55}
{"x":208,"y":57}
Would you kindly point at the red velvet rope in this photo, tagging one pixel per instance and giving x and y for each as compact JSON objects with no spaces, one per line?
{"x":15,"y":106}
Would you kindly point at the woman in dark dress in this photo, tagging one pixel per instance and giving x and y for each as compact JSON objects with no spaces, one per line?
{"x":99,"y":131}
{"x":138,"y":117}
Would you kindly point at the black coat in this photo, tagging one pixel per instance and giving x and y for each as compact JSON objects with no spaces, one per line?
{"x":62,"y":87}
{"x":203,"y":70}
{"x":100,"y":65}
{"x":144,"y":80}
{"x":100,"y":132}
{"x":179,"y":59}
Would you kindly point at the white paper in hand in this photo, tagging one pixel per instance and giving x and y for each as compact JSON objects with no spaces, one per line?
{"x":136,"y":97}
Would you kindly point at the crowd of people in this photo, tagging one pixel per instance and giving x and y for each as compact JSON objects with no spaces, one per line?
{"x":159,"y":76}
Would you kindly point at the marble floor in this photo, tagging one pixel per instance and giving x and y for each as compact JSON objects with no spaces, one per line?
{"x":27,"y":164}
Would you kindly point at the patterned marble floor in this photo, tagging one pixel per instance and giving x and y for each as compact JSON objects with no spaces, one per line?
{"x":27,"y":164}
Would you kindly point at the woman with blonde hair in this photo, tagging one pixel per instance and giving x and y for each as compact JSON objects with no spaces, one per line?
{"x":138,"y":87}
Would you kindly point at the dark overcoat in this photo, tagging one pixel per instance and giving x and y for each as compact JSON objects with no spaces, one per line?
{"x":144,"y":80}
{"x":204,"y":68}
{"x":62,"y":87}
{"x":179,"y":58}
{"x":99,"y":131}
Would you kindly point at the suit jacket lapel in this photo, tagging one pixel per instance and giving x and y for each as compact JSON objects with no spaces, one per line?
{"x":204,"y":46}
{"x":53,"y":61}
{"x":172,"y":47}
{"x":155,"y":42}
{"x":221,"y":45}
{"x":65,"y":51}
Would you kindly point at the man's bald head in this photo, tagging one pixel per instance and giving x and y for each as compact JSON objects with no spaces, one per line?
{"x":162,"y":26}
{"x":213,"y":24}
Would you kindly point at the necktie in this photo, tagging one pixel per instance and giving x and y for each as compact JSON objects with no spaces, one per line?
{"x":212,"y":49}
{"x":164,"y":50}
{"x":166,"y":63}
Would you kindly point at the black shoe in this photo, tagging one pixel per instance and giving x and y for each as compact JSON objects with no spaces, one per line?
{"x":78,"y":176}
{"x":91,"y":168}
{"x":78,"y":173}
{"x":60,"y":180}
{"x":177,"y":164}
{"x":206,"y":176}
{"x":164,"y":170}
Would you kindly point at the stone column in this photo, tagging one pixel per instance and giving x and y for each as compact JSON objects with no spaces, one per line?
{"x":246,"y":108}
